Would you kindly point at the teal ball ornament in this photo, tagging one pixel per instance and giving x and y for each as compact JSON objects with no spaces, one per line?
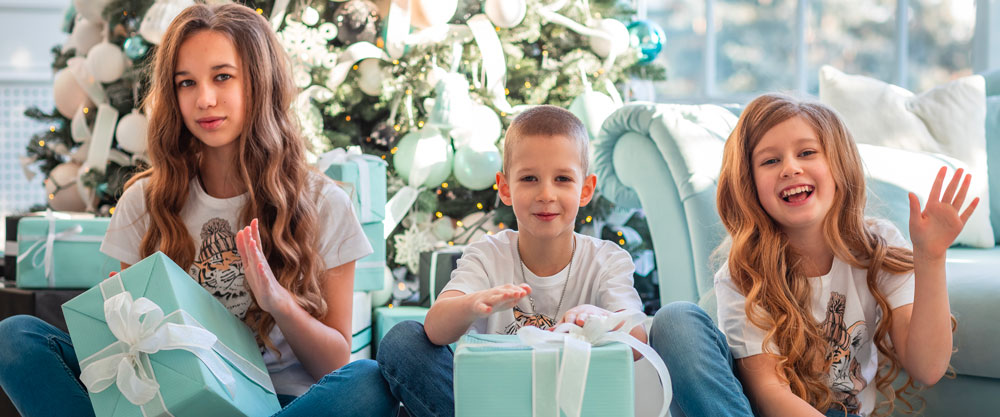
{"x":476,"y":164}
{"x":426,"y":153}
{"x":135,"y":47}
{"x":648,"y":38}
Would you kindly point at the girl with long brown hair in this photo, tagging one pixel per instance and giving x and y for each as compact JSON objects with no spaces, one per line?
{"x":822,"y":307}
{"x":229,"y":195}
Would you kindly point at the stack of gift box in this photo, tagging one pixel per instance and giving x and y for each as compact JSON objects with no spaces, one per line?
{"x":363,"y":177}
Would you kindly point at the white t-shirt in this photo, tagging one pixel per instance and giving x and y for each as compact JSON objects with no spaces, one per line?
{"x":213,"y":223}
{"x":848,"y":315}
{"x":602,"y":276}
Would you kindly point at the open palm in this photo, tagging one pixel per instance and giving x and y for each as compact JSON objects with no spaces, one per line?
{"x":935,"y":228}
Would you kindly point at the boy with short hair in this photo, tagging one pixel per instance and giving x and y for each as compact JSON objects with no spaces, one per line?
{"x":541,"y":275}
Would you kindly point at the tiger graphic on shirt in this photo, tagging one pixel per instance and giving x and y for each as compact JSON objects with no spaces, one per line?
{"x":218,"y":268}
{"x":523,"y":318}
{"x":846,"y":380}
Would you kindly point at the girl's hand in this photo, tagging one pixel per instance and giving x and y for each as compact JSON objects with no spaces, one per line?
{"x":936,"y":228}
{"x":578,"y":315}
{"x":268,"y":293}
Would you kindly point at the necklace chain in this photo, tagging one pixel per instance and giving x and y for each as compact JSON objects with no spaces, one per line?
{"x":569,"y":270}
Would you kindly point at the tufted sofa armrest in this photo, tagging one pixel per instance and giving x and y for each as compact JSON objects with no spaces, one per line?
{"x":665,"y":158}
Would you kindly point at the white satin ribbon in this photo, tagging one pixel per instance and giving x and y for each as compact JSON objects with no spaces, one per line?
{"x":354,"y":53}
{"x":141,"y":329}
{"x":44,"y":247}
{"x":549,"y":14}
{"x":575,"y":342}
{"x":278,"y":13}
{"x":26,"y":162}
{"x":364,"y":188}
{"x":100,"y":142}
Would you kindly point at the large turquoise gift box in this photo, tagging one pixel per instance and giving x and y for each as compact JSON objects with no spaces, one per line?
{"x":364,"y":178}
{"x":62,"y":252}
{"x":152,"y":342}
{"x":497,"y":375}
{"x":569,"y":371}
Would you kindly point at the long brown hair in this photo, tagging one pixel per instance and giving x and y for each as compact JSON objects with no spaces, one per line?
{"x":270,"y":161}
{"x":768,"y":271}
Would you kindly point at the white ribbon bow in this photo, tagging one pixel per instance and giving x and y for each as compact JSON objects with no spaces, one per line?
{"x":139,"y":337}
{"x":364,"y":190}
{"x":576,"y":342}
{"x":141,"y":329}
{"x":46,"y":247}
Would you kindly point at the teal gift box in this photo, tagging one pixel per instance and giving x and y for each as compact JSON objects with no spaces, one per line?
{"x":62,"y":253}
{"x":366,"y":184}
{"x":190,"y":367}
{"x":494,"y":377}
{"x":369,"y":272}
{"x":386,"y":317}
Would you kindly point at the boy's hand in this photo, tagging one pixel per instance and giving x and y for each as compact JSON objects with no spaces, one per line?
{"x":936,"y":228}
{"x":498,"y":298}
{"x":578,"y":315}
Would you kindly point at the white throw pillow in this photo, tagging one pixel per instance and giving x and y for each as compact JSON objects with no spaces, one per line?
{"x":949,"y":119}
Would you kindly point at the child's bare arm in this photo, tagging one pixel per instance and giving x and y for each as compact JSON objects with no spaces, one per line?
{"x":924,"y":348}
{"x":772,"y":397}
{"x":454,"y":311}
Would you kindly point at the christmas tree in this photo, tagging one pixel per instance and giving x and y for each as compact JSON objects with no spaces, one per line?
{"x":427,"y":85}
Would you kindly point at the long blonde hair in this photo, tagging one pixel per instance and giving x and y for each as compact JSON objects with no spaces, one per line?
{"x":270,"y":160}
{"x":768,"y":271}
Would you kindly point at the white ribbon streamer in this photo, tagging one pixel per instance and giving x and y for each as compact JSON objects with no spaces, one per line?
{"x":78,"y":67}
{"x":278,"y":13}
{"x":141,"y":329}
{"x":549,"y":14}
{"x":45,"y":245}
{"x":78,"y":127}
{"x":354,"y":53}
{"x":100,"y":142}
{"x":364,"y":188}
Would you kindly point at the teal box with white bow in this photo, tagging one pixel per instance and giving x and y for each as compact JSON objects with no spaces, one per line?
{"x":369,"y":272}
{"x":363,"y":177}
{"x":62,"y":253}
{"x":498,"y":375}
{"x":151,"y":341}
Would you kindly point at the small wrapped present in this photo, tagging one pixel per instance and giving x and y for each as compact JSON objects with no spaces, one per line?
{"x":365,"y":179}
{"x":361,"y":326}
{"x":44,"y":304}
{"x":571,"y":371}
{"x":386,"y":317}
{"x":54,"y":252}
{"x":369,"y":272}
{"x":152,"y":342}
{"x":435,"y":271}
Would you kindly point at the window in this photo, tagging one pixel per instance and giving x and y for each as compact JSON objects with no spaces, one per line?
{"x":733,"y":50}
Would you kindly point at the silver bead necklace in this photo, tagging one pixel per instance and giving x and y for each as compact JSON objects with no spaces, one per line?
{"x":569,"y":270}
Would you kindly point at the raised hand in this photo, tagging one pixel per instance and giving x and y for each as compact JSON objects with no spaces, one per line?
{"x":268,"y":293}
{"x":935,"y":228}
{"x":499,"y":298}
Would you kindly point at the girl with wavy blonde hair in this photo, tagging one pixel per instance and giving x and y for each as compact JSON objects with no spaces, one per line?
{"x":229,"y":195}
{"x":822,"y":307}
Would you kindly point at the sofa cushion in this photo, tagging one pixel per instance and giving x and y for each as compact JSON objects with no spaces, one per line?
{"x":973,"y":285}
{"x":993,"y":156}
{"x":948,"y":119}
{"x":890,"y":174}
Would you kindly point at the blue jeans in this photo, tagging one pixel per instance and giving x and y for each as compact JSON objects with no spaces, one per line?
{"x":40,"y":373}
{"x":419,"y":373}
{"x":700,"y":364}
